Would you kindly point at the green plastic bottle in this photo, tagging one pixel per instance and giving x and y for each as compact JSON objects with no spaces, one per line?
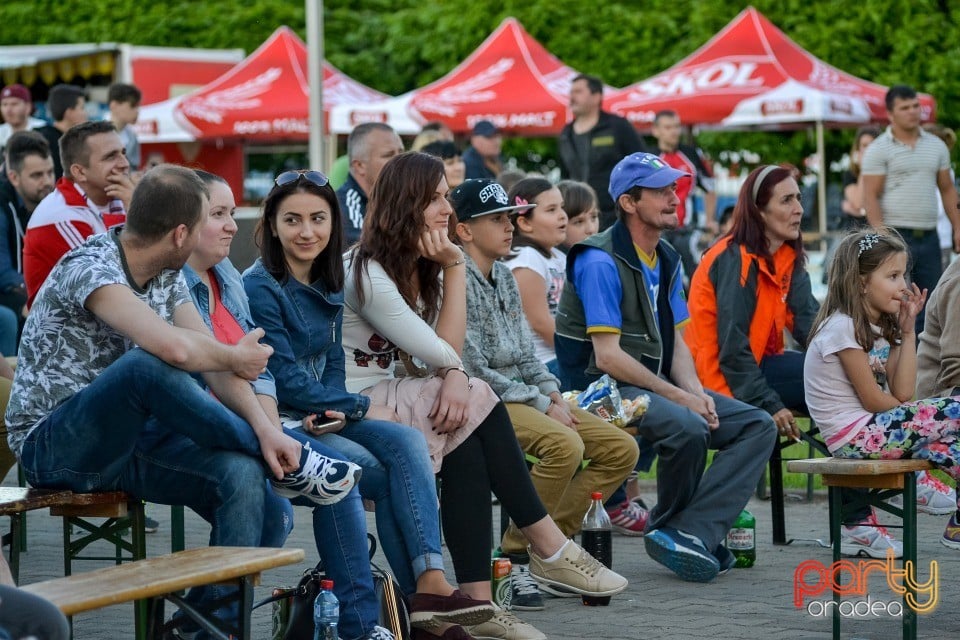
{"x":742,"y":539}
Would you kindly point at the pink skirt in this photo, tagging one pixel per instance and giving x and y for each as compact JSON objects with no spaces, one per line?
{"x":413,"y":398}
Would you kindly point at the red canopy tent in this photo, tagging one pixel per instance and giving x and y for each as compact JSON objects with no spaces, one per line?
{"x":510,"y":79}
{"x":752,"y":74}
{"x":262,"y":99}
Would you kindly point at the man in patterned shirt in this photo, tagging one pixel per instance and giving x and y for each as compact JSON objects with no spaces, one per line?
{"x":104,"y":400}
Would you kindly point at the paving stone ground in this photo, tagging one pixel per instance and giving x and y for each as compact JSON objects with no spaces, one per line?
{"x":750,"y":603}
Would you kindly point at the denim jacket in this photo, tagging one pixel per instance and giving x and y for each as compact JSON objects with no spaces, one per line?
{"x":235,"y":301}
{"x":302,"y":324}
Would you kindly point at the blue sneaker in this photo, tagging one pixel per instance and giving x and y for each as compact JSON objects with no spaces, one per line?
{"x":682,"y":553}
{"x":324,"y":480}
{"x":725,"y":558}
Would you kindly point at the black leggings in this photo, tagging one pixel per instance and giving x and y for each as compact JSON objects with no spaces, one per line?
{"x":489,"y":459}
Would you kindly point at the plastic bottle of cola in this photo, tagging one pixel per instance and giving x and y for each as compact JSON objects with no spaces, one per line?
{"x":596,"y":536}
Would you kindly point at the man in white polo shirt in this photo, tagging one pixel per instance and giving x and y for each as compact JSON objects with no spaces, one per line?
{"x":902,"y":170}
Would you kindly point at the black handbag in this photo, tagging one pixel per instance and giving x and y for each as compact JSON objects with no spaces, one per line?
{"x":293,"y":608}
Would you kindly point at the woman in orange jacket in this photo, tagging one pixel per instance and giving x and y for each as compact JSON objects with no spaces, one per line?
{"x":749,"y":287}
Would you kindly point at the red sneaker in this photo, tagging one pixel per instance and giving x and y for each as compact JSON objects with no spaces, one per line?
{"x":630,"y":518}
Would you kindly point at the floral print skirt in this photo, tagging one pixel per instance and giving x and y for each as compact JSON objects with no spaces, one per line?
{"x":925,"y":429}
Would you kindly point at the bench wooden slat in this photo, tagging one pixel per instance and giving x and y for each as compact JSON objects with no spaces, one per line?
{"x":852,"y":467}
{"x":159,"y":576}
{"x":20,"y":499}
{"x":110,"y":504}
{"x":868,"y":474}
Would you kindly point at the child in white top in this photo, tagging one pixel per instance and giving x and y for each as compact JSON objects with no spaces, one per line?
{"x":861,"y":364}
{"x":583,"y":215}
{"x":538,"y":266}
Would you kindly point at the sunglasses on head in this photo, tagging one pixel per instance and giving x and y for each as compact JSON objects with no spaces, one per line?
{"x":313,"y":177}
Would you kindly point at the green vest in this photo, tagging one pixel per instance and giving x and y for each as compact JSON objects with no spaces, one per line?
{"x":639,"y":336}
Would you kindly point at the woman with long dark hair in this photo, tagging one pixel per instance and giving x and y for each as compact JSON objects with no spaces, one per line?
{"x":405,"y":301}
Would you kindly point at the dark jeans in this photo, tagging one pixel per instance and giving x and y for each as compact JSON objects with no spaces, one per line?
{"x":691,"y":497}
{"x":784,"y":374}
{"x":490,"y":459}
{"x":925,"y":266}
{"x":24,"y":615}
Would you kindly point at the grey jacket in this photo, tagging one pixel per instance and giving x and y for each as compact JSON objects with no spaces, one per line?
{"x":499,"y":345}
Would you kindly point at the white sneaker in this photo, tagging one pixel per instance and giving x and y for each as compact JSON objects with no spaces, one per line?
{"x":933,"y":496}
{"x":505,"y":626}
{"x":576,"y":570}
{"x":869,"y":538}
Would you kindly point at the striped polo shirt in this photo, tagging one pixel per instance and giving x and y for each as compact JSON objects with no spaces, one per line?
{"x":909,"y":197}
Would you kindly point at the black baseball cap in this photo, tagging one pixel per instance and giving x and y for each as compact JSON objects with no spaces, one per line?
{"x":486,"y":129}
{"x":482,"y":197}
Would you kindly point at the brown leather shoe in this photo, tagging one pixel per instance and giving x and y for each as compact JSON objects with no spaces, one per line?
{"x":428,"y":611}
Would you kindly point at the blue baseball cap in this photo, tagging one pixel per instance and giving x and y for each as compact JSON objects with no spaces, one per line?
{"x":641,"y":170}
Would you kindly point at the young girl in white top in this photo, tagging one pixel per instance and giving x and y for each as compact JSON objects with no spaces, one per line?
{"x":538,"y":266}
{"x":861,"y":364}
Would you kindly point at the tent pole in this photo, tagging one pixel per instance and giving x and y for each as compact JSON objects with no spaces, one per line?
{"x":315,"y":73}
{"x":822,"y":186}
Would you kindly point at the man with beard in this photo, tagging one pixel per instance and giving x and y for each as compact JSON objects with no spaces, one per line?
{"x":27,"y":181}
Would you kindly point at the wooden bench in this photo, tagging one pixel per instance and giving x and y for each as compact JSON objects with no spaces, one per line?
{"x":884,"y":479}
{"x":16,"y":502}
{"x":159,"y":579}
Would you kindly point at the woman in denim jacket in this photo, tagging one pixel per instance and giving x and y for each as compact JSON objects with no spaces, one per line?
{"x":295,"y":293}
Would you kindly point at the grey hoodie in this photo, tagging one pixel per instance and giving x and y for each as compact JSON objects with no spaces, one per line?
{"x":499,"y":347}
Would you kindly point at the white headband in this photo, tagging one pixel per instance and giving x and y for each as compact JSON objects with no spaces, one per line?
{"x":767,"y":170}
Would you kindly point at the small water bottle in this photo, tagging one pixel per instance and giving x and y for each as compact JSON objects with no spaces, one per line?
{"x":742,"y":539}
{"x":596,"y":536}
{"x":326,"y":613}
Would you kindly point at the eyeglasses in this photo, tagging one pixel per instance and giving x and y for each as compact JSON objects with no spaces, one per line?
{"x":313,"y":177}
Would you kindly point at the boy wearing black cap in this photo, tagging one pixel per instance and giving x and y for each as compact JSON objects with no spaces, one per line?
{"x":620,"y":313}
{"x":499,"y":349}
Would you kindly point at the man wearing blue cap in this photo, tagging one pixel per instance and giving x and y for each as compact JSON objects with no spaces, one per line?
{"x":483,"y":158}
{"x":620,"y":313}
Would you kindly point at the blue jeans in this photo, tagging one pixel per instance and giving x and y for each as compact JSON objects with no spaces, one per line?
{"x":8,"y":332}
{"x":149,"y":429}
{"x":340,"y":533}
{"x":398,"y":477}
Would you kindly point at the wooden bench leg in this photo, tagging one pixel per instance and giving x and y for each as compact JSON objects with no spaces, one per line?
{"x":177,"y":542}
{"x":16,"y":524}
{"x":777,"y":511}
{"x":836,"y":518}
{"x":909,"y":551}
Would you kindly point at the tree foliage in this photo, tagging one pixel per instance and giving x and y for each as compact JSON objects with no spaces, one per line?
{"x":397,"y":45}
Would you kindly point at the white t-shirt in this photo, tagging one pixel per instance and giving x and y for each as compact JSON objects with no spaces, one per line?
{"x":32,"y":123}
{"x":831,"y":398}
{"x":374,"y":334}
{"x":64,"y":346}
{"x":553,"y":270}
